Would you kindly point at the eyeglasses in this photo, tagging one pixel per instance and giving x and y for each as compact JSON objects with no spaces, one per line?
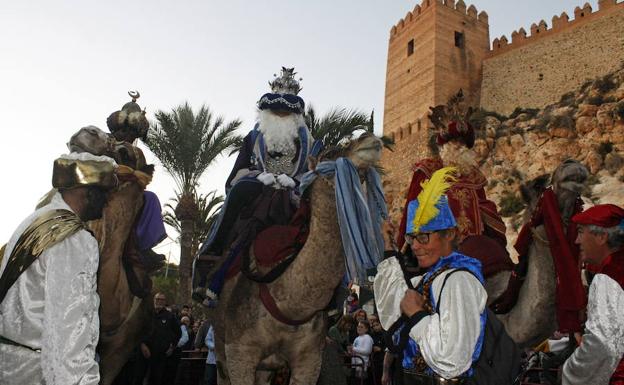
{"x":422,"y":238}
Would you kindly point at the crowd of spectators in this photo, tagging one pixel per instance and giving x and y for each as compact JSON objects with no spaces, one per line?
{"x":359,"y":338}
{"x":175,"y":342}
{"x":173,"y":334}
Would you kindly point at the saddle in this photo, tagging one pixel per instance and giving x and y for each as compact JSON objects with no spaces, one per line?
{"x":493,"y":256}
{"x":273,"y":248}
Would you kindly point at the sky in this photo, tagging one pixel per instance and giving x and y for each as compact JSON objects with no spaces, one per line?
{"x":68,"y":64}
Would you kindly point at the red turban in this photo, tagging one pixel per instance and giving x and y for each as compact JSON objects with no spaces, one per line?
{"x":461,"y":131}
{"x":601,"y":215}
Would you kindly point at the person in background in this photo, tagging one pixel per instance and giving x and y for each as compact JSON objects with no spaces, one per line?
{"x":158,"y":344}
{"x":205,"y":340}
{"x":361,"y":350}
{"x":379,"y":347}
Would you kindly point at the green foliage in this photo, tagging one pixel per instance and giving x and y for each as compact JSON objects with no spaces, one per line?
{"x":516,"y":174}
{"x":168,"y":286}
{"x":568,"y":99}
{"x":604,"y":148}
{"x":529,"y":111}
{"x":477,"y":118}
{"x":619,"y":110}
{"x":595,"y":100}
{"x":604,"y":84}
{"x":510,"y":204}
{"x":542,"y":122}
{"x":563,"y":121}
{"x":338,"y":123}
{"x":208,"y":206}
{"x":186,"y":143}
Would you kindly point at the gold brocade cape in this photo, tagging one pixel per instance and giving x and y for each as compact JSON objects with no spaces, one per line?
{"x":50,"y":228}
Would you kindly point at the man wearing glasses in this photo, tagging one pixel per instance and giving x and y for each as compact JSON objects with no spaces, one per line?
{"x":446,"y":311}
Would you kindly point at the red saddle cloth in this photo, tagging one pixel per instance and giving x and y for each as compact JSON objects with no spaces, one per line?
{"x":492,"y":255}
{"x":276,"y":243}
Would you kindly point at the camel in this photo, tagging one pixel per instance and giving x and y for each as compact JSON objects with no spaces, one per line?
{"x":248,"y":337}
{"x":533,"y":318}
{"x":123,"y":316}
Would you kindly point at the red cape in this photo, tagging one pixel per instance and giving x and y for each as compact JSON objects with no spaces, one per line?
{"x":571,"y":297}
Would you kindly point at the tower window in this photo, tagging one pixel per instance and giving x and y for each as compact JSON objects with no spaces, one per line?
{"x":410,"y":47}
{"x":459,"y":39}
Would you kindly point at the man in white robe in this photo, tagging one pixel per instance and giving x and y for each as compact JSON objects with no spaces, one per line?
{"x":49,"y":323}
{"x":443,"y":343}
{"x":598,"y":359}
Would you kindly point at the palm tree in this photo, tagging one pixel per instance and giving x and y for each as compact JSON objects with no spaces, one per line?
{"x":187,"y":143}
{"x":336,"y":124}
{"x":208,"y":206}
{"x":339,"y":123}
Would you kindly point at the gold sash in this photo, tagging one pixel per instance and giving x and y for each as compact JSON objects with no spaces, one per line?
{"x":50,"y":228}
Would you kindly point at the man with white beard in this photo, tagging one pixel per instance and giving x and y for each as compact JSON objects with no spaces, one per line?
{"x":479,"y":226}
{"x":261,"y":188}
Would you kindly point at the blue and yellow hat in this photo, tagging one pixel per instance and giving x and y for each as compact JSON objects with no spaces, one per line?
{"x":431,"y":211}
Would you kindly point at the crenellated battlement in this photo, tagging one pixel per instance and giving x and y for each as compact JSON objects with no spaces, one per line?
{"x":459,"y":6}
{"x":541,"y":30}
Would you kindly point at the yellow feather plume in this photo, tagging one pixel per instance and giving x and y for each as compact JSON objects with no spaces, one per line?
{"x":432,"y":191}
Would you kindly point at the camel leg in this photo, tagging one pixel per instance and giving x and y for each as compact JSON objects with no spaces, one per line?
{"x":242,"y":362}
{"x":305,"y":363}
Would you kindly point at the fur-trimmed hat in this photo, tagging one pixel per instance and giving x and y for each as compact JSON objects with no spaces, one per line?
{"x":284,"y":94}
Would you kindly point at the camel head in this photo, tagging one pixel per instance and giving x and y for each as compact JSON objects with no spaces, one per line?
{"x":91,"y":139}
{"x":569,"y":178}
{"x":363,"y":148}
{"x":568,"y":182}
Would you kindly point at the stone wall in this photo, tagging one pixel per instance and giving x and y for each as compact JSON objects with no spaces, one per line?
{"x":535,"y":71}
{"x":397,"y":164}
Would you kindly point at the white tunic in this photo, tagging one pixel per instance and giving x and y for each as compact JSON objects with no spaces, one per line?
{"x":53,"y":306}
{"x":447,"y":340}
{"x":601,"y":350}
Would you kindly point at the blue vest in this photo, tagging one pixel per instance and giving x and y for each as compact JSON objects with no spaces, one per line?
{"x":454,"y":261}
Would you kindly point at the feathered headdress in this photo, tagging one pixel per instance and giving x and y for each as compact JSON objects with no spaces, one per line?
{"x":430,"y":211}
{"x":450,"y":120}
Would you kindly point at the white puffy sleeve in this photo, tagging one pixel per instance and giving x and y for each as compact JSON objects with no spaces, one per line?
{"x":70,"y":320}
{"x":389,"y":288}
{"x":601,"y":350}
{"x":447,"y":339}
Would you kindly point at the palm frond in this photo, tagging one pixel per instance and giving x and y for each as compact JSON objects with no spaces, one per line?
{"x":187,"y":143}
{"x":336,"y":124}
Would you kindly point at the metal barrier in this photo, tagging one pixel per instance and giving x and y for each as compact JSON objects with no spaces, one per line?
{"x":191,"y":367}
{"x":360,"y":364}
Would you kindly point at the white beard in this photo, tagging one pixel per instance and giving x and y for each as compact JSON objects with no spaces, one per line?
{"x":279,"y":132}
{"x":458,"y":155}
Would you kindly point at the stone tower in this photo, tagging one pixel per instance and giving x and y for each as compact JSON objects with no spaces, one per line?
{"x":435,"y":50}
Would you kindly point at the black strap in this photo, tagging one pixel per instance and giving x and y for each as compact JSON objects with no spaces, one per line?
{"x":488,"y":313}
{"x":403,"y":320}
{"x":444,"y":284}
{"x":7,"y":341}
